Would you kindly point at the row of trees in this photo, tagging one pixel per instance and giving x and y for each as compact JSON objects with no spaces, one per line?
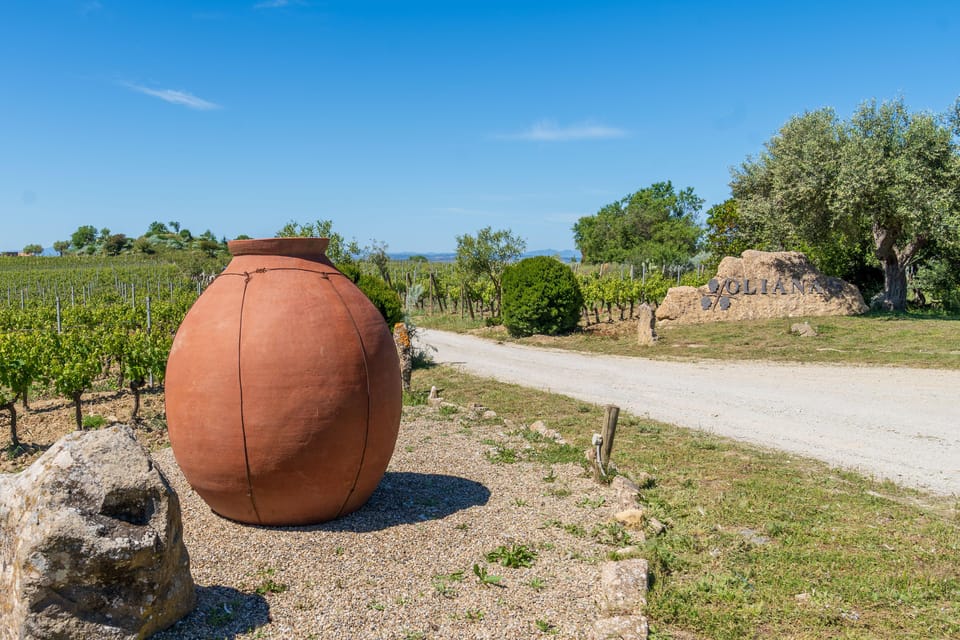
{"x":873,"y":199}
{"x":159,"y":237}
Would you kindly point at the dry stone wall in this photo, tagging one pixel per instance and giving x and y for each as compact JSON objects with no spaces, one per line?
{"x":761,"y":284}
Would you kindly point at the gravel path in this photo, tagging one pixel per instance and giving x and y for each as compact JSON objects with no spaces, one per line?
{"x":401,"y":567}
{"x":896,"y":423}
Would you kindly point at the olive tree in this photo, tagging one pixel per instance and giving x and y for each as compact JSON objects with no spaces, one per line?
{"x":487,"y":254}
{"x":886,"y":180}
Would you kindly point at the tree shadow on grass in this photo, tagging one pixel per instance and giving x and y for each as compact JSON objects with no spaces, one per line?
{"x":221,"y":613}
{"x":405,"y":497}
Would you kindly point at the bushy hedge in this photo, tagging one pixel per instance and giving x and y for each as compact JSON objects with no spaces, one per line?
{"x":540,"y":295}
{"x":378,"y":292}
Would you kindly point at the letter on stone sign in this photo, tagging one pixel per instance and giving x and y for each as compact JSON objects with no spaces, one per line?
{"x":798,"y":286}
{"x":746,"y":287}
{"x":763,"y":286}
{"x":779,"y":287}
{"x":733,"y":287}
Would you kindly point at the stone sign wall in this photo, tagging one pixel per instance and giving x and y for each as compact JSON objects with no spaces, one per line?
{"x":761,"y":284}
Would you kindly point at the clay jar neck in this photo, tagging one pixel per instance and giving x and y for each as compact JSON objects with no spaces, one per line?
{"x":305,"y":248}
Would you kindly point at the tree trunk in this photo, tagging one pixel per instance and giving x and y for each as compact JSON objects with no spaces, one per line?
{"x":78,"y":410}
{"x":135,"y":412}
{"x":23,"y":397}
{"x":894,"y":285}
{"x":12,"y":408}
{"x":895,"y":261}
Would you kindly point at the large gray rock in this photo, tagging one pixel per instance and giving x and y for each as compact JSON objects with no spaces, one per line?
{"x":91,"y":543}
{"x":761,"y":284}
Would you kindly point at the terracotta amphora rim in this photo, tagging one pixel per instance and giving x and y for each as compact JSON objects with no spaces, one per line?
{"x":293,"y":247}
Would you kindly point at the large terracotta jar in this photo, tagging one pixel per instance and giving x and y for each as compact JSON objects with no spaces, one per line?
{"x":283,"y":388}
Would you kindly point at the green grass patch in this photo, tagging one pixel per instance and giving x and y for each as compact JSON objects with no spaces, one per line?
{"x":879,"y":339}
{"x":761,"y":544}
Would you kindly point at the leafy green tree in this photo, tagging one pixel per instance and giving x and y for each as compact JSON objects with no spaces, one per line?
{"x":339,"y":251}
{"x":61,"y":247}
{"x":33,"y":249}
{"x":487,"y":254}
{"x":116,"y":243}
{"x":83,"y":237}
{"x":655,"y":224}
{"x":156,"y":229}
{"x":540,"y":295}
{"x":724,"y":237}
{"x":884,"y":182}
{"x":143,"y":245}
{"x":376,"y":253}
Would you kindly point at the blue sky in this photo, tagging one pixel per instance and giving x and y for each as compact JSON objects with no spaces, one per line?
{"x":413,"y":122}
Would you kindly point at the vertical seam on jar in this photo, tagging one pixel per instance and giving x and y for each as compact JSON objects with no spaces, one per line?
{"x":366,"y":374}
{"x":243,"y":427}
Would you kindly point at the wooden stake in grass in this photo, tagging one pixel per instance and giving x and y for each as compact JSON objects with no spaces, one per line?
{"x":610,"y":417}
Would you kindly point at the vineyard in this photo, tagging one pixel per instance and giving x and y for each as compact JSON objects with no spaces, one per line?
{"x":71,"y":325}
{"x":611,"y":292}
{"x":75,"y":324}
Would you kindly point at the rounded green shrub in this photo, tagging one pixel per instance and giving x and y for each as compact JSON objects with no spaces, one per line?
{"x":383,"y":298}
{"x":540,"y":295}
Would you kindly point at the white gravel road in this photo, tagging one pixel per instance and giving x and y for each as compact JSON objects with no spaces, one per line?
{"x":894,"y":423}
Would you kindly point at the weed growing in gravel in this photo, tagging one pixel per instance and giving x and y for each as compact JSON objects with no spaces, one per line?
{"x":442,"y":583}
{"x":612,"y":534}
{"x":222,"y":614}
{"x":376,"y":606}
{"x":544,"y":626}
{"x":486,"y":579}
{"x":559,"y":492}
{"x":414,"y":635}
{"x":501,"y":455}
{"x":474,"y":615}
{"x":267,"y":583}
{"x":551,"y":476}
{"x":447,"y":410}
{"x":519,"y":502}
{"x":573,"y":529}
{"x":593,"y":503}
{"x":514,"y":556}
{"x":270,"y":586}
{"x":537,"y":584}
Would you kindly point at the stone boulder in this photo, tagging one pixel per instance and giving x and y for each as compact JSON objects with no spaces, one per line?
{"x":91,"y":543}
{"x":761,"y":284}
{"x":646,"y":325}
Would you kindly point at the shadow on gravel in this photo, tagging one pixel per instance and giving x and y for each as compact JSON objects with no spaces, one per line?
{"x":404,"y":497}
{"x":222,"y":613}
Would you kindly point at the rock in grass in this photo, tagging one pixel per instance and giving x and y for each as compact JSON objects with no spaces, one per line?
{"x":626,"y":491}
{"x":621,"y":628}
{"x":623,"y":587}
{"x":631,"y":518}
{"x":91,"y":543}
{"x":803,"y":329}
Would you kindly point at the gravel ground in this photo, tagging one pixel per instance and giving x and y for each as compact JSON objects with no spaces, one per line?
{"x":894,"y":423}
{"x":402,"y":566}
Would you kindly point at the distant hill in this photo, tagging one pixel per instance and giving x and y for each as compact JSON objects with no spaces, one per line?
{"x":565,"y":255}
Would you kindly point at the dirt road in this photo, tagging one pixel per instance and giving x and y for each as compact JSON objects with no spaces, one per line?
{"x":895,"y":423}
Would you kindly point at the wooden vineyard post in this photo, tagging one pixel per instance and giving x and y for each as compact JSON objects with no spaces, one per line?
{"x":610,"y":417}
